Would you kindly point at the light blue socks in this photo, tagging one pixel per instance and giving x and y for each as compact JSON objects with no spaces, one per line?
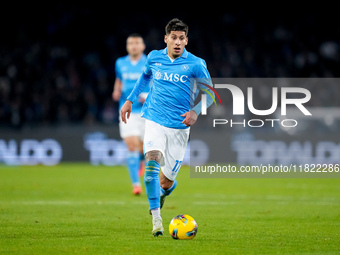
{"x":133,"y":162}
{"x":152,"y":184}
{"x":168,"y":191}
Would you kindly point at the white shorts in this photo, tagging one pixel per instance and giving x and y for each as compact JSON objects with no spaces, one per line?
{"x":171,"y":142}
{"x":135,"y":126}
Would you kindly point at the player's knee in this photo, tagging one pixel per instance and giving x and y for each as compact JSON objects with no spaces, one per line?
{"x":132,"y":147}
{"x":154,"y":155}
{"x":132,"y":143}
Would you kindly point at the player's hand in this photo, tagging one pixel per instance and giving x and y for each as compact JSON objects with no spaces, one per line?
{"x":190,"y":118}
{"x":142,"y":97}
{"x":126,"y":110}
{"x":116,"y":94}
{"x":141,"y":100}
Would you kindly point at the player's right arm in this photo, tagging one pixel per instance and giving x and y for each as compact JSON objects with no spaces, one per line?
{"x":143,"y":80}
{"x":117,"y":87}
{"x":141,"y":83}
{"x":117,"y":90}
{"x":126,"y":110}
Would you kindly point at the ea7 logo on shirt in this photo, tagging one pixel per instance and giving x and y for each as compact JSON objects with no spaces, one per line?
{"x":171,"y":77}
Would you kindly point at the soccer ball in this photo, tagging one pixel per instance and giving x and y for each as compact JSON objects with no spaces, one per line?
{"x":183,"y":226}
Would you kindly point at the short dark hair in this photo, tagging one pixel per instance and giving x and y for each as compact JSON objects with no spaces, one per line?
{"x":176,"y":25}
{"x":135,"y":35}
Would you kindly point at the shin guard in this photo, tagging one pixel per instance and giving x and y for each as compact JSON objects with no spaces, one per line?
{"x":152,"y":184}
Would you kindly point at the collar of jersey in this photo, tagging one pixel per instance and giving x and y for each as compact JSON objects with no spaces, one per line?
{"x":184,"y":54}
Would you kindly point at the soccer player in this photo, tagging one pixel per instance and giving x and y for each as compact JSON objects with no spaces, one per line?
{"x":128,"y":70}
{"x":167,"y":113}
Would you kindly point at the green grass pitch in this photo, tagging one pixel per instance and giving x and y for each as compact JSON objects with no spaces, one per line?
{"x":83,"y":209}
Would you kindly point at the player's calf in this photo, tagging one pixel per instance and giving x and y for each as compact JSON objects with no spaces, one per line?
{"x":151,"y":181}
{"x":166,"y":192}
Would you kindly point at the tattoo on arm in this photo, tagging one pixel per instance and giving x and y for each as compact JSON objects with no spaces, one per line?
{"x":154,"y":155}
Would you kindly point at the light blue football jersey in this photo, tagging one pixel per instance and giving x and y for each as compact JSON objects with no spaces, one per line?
{"x":129,"y":72}
{"x":169,"y":96}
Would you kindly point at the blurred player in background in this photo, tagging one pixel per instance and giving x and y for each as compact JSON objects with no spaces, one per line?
{"x":168,"y":113}
{"x":128,"y":70}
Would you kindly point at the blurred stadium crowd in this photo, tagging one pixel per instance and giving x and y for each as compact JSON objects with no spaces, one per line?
{"x":58,"y":68}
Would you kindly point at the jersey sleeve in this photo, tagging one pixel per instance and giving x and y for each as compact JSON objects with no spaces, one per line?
{"x":203,"y":81}
{"x":117,"y":70}
{"x":200,"y":70}
{"x":147,"y":69}
{"x":143,"y":83}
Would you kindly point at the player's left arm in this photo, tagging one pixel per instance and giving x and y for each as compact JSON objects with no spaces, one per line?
{"x":189,"y":118}
{"x":126,"y":109}
{"x":144,"y":94}
{"x":202,"y":76}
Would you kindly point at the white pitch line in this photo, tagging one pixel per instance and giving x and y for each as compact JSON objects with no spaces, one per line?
{"x":65,"y":202}
{"x":221,"y":200}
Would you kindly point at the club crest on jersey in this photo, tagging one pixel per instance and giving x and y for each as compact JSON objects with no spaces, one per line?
{"x":184,"y":68}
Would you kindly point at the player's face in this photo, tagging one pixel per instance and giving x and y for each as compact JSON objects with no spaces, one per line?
{"x":135,"y":46}
{"x":176,"y":41}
